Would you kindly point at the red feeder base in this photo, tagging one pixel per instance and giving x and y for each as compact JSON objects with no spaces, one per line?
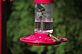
{"x":41,"y":39}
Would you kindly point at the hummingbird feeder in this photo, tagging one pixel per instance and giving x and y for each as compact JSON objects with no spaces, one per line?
{"x":43,"y":32}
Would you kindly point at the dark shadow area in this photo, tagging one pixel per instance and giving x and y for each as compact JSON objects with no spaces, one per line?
{"x":6,"y":11}
{"x":4,"y":17}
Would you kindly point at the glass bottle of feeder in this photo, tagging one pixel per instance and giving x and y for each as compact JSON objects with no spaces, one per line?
{"x":43,"y":18}
{"x":43,"y":26}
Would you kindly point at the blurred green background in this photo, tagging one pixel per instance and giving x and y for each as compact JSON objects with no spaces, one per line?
{"x":67,"y":23}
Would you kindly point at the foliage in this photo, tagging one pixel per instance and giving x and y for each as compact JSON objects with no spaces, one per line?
{"x":67,"y":23}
